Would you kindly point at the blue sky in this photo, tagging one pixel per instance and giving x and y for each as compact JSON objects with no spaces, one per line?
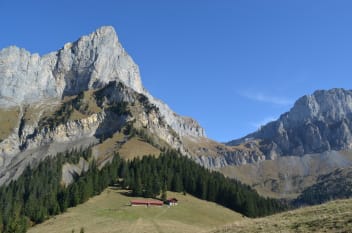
{"x":231,"y":64}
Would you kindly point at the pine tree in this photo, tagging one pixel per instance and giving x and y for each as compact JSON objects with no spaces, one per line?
{"x":138,"y":189}
{"x":164,"y":192}
{"x":74,"y":195}
{"x":148,"y":188}
{"x":1,"y":223}
{"x":177,"y":184}
{"x":155,"y":186}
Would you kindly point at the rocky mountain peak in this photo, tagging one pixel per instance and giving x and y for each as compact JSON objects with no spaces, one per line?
{"x":327,"y":105}
{"x":316,"y":123}
{"x":104,"y":36}
{"x":95,"y":60}
{"x":88,"y":63}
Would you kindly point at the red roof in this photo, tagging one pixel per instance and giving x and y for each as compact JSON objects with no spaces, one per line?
{"x":146,"y":202}
{"x":172,"y":200}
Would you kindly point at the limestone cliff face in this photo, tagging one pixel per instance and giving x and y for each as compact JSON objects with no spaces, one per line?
{"x":316,"y":123}
{"x":89,"y":63}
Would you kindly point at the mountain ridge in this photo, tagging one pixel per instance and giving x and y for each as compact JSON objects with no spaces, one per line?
{"x":316,"y":123}
{"x":88,"y":63}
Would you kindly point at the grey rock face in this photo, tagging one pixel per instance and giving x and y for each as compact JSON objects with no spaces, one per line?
{"x":25,"y":77}
{"x":316,"y":123}
{"x":89,"y":63}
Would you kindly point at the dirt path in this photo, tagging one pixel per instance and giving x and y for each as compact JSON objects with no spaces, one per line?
{"x":135,"y":226}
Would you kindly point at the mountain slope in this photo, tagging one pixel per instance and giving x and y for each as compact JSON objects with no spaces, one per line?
{"x":288,"y":176}
{"x":334,"y":185}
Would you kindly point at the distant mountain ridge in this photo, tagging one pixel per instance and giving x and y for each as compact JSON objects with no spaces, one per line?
{"x":316,"y":123}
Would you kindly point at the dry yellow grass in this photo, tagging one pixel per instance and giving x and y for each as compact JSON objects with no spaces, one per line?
{"x":110,"y":213}
{"x":88,"y":106}
{"x":9,"y":119}
{"x":32,"y":113}
{"x":334,"y":216}
{"x":76,"y":115}
{"x":137,"y":147}
{"x":109,"y":145}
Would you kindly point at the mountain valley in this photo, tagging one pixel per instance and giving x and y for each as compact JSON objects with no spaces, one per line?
{"x":88,"y":95}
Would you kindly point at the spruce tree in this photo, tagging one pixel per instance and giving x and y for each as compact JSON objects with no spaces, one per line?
{"x":164,"y":192}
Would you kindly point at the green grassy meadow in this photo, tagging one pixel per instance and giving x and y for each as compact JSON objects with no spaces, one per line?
{"x":110,"y":213}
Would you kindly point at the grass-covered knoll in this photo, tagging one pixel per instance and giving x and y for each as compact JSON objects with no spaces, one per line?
{"x":110,"y":145}
{"x":137,"y":147}
{"x":335,"y":216}
{"x":128,"y":146}
{"x":110,"y":212}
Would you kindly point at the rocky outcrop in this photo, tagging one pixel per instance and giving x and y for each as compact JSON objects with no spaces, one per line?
{"x":316,"y":123}
{"x":33,"y":144}
{"x":143,"y":112}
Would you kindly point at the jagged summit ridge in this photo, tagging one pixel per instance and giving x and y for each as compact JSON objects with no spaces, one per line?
{"x":331,"y":105}
{"x":90,"y":62}
{"x":316,"y":123}
{"x":94,"y":61}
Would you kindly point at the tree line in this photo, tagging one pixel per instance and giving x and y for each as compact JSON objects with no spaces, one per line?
{"x":150,"y":176}
{"x":39,"y":192}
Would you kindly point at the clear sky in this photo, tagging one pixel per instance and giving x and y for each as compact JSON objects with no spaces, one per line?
{"x":231,"y":64}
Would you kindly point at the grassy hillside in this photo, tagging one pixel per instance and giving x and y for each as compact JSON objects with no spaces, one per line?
{"x":334,"y":216}
{"x":110,"y":213}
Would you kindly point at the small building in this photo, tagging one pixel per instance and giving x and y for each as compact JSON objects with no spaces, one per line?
{"x":146,"y":203}
{"x":171,"y":202}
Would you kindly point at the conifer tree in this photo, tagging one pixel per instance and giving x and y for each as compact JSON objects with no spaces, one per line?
{"x":164,"y":192}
